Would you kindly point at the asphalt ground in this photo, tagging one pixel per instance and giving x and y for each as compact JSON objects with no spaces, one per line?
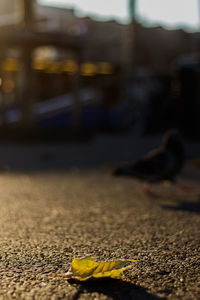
{"x":61,"y":201}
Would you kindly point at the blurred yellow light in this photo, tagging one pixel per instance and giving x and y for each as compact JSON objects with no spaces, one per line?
{"x":88,"y":69}
{"x":40,"y":65}
{"x":105,"y":68}
{"x":69,"y":66}
{"x":8,"y":86}
{"x":53,"y":67}
{"x":1,"y":81}
{"x":10,"y":64}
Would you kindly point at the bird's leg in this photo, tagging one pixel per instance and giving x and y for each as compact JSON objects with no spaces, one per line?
{"x":147,"y":190}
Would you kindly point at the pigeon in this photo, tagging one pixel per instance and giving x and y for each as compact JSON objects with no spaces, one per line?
{"x":161,"y":164}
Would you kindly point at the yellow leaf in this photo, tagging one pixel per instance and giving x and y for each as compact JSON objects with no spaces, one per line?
{"x":86,"y":268}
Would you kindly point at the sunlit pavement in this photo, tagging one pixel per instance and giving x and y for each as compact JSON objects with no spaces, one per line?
{"x":60,"y":202}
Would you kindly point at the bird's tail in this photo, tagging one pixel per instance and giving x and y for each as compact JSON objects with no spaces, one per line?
{"x":118,"y":172}
{"x":124,"y":171}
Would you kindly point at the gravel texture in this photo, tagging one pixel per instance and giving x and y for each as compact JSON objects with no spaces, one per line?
{"x":52,"y":212}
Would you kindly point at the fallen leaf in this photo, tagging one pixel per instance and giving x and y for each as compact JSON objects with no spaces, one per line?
{"x":86,"y":268}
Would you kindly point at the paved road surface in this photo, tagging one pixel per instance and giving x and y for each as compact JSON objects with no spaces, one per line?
{"x":52,"y":212}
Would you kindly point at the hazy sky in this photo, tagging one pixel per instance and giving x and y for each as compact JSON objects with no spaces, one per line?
{"x":167,"y":12}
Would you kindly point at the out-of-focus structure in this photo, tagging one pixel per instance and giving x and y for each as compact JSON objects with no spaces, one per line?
{"x":54,"y":64}
{"x":20,"y":38}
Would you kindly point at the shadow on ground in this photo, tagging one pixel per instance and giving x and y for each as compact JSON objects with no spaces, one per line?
{"x":193,"y":207}
{"x":65,"y":156}
{"x":101,"y":150}
{"x":115,"y":288}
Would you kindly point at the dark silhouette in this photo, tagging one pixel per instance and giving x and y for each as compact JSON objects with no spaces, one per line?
{"x":192,"y":207}
{"x":163,"y":163}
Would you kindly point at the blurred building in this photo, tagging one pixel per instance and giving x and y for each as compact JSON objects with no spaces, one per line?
{"x":155,"y":51}
{"x":154,"y":47}
{"x":44,"y":61}
{"x":10,"y":12}
{"x":103,"y":40}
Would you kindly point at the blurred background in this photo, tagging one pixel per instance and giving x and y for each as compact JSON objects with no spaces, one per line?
{"x":76,"y":68}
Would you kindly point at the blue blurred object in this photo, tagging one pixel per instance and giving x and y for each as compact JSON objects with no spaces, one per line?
{"x":57,"y":113}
